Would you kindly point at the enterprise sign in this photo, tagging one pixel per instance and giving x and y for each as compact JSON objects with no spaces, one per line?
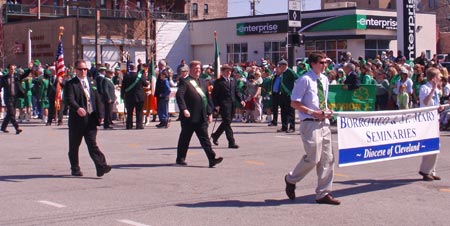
{"x":377,"y":22}
{"x":269,"y":27}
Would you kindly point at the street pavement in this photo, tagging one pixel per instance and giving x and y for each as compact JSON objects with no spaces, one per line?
{"x":145,"y":187}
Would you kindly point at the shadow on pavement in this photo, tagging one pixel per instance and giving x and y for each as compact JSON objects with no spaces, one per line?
{"x":134,"y":166}
{"x":364,"y":186}
{"x":368,"y":186}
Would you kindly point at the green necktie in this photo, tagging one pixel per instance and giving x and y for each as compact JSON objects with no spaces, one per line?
{"x":320,"y":94}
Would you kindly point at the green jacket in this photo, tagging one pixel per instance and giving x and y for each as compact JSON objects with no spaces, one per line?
{"x":287,"y":81}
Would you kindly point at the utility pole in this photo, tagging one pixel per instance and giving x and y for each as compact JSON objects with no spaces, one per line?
{"x":98,"y":52}
{"x":148,"y":22}
{"x":253,"y":6}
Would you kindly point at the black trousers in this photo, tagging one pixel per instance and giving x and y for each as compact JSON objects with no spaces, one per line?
{"x":187,"y":130}
{"x":51,"y":111}
{"x":134,"y":106}
{"x":88,"y":130}
{"x":10,"y":113}
{"x":107,"y":121}
{"x":225,"y":125}
{"x":287,"y":112}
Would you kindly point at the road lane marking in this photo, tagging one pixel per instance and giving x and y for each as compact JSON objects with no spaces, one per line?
{"x":284,"y":137}
{"x":444,"y":189}
{"x":125,"y":221}
{"x":255,"y":163}
{"x":54,"y":204}
{"x":341,"y":175}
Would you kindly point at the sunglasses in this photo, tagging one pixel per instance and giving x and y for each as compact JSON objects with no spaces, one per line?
{"x":82,"y":69}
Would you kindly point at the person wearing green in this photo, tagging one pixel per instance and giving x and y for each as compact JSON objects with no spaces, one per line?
{"x":302,"y":67}
{"x":266,"y":93}
{"x":281,"y":92}
{"x":43,"y":94}
{"x":240,"y":84}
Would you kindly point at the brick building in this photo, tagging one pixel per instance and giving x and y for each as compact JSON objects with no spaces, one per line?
{"x":126,"y":27}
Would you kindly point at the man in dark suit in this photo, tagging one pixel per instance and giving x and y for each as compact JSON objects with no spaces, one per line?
{"x":132,"y":91}
{"x":195,"y":114}
{"x":352,"y":80}
{"x":10,"y":83}
{"x":80,"y":93}
{"x":224,"y":96}
{"x":108,"y":97}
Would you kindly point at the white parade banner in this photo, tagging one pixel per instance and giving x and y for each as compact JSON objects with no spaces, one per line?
{"x":368,"y":137}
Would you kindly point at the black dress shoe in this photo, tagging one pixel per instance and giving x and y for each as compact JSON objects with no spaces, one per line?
{"x":328,"y":199}
{"x":214,"y":162}
{"x":5,"y":131}
{"x":290,"y":189}
{"x":140,"y":127}
{"x":429,"y":177}
{"x":290,"y":130}
{"x":282,"y":130}
{"x":272,"y":124}
{"x":181,"y":162}
{"x":215,"y":139}
{"x":103,"y":171}
{"x":234,"y":146}
{"x":109,"y":127}
{"x":76,"y":173}
{"x":18,"y":131}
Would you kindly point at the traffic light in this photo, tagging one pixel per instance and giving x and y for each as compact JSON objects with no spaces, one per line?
{"x":295,"y":39}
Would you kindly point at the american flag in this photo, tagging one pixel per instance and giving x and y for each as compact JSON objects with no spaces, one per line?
{"x":60,"y":72}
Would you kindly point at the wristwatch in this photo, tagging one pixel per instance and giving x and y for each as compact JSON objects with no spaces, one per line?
{"x":309,"y":112}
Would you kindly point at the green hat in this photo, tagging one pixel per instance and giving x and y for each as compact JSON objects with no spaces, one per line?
{"x":47,"y":72}
{"x":37,"y":62}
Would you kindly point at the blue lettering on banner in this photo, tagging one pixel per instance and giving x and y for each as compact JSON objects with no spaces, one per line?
{"x":360,"y":155}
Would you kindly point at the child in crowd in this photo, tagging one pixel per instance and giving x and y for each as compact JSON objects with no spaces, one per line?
{"x":403,"y":98}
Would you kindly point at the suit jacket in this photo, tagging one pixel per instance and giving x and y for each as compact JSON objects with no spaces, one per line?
{"x":287,"y":81}
{"x":352,"y":81}
{"x":4,"y":85}
{"x":75,"y":98}
{"x":225,"y":95}
{"x":51,"y":92}
{"x":188,"y":98}
{"x":109,"y":91}
{"x":136,"y":94}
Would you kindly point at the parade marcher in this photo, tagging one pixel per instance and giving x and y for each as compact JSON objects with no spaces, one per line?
{"x":51,"y":95}
{"x":352,"y":79}
{"x":281,"y":93}
{"x":162,"y":93}
{"x":11,"y":85}
{"x":195,"y":111}
{"x":224,"y":95}
{"x":428,"y":96}
{"x":108,"y":98}
{"x":82,"y":97}
{"x":309,"y":97}
{"x":266,"y":94}
{"x":132,"y":92}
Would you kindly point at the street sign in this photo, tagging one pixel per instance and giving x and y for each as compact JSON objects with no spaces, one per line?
{"x":294,"y":13}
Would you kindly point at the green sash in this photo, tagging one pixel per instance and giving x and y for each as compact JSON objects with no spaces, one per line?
{"x":134,"y":83}
{"x":200,"y":92}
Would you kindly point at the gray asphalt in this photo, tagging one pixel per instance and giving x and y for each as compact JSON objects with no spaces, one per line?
{"x":145,"y":187}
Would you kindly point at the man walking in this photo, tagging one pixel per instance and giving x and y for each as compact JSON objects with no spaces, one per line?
{"x":225,"y":94}
{"x":10,"y":83}
{"x":195,"y":114}
{"x":81,"y":95}
{"x":309,"y":97}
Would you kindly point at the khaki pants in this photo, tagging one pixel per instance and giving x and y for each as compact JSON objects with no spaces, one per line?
{"x":316,"y":137}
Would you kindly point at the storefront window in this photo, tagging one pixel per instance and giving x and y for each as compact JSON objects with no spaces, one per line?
{"x":238,"y":52}
{"x":275,"y":51}
{"x":333,"y":48}
{"x":375,"y":47}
